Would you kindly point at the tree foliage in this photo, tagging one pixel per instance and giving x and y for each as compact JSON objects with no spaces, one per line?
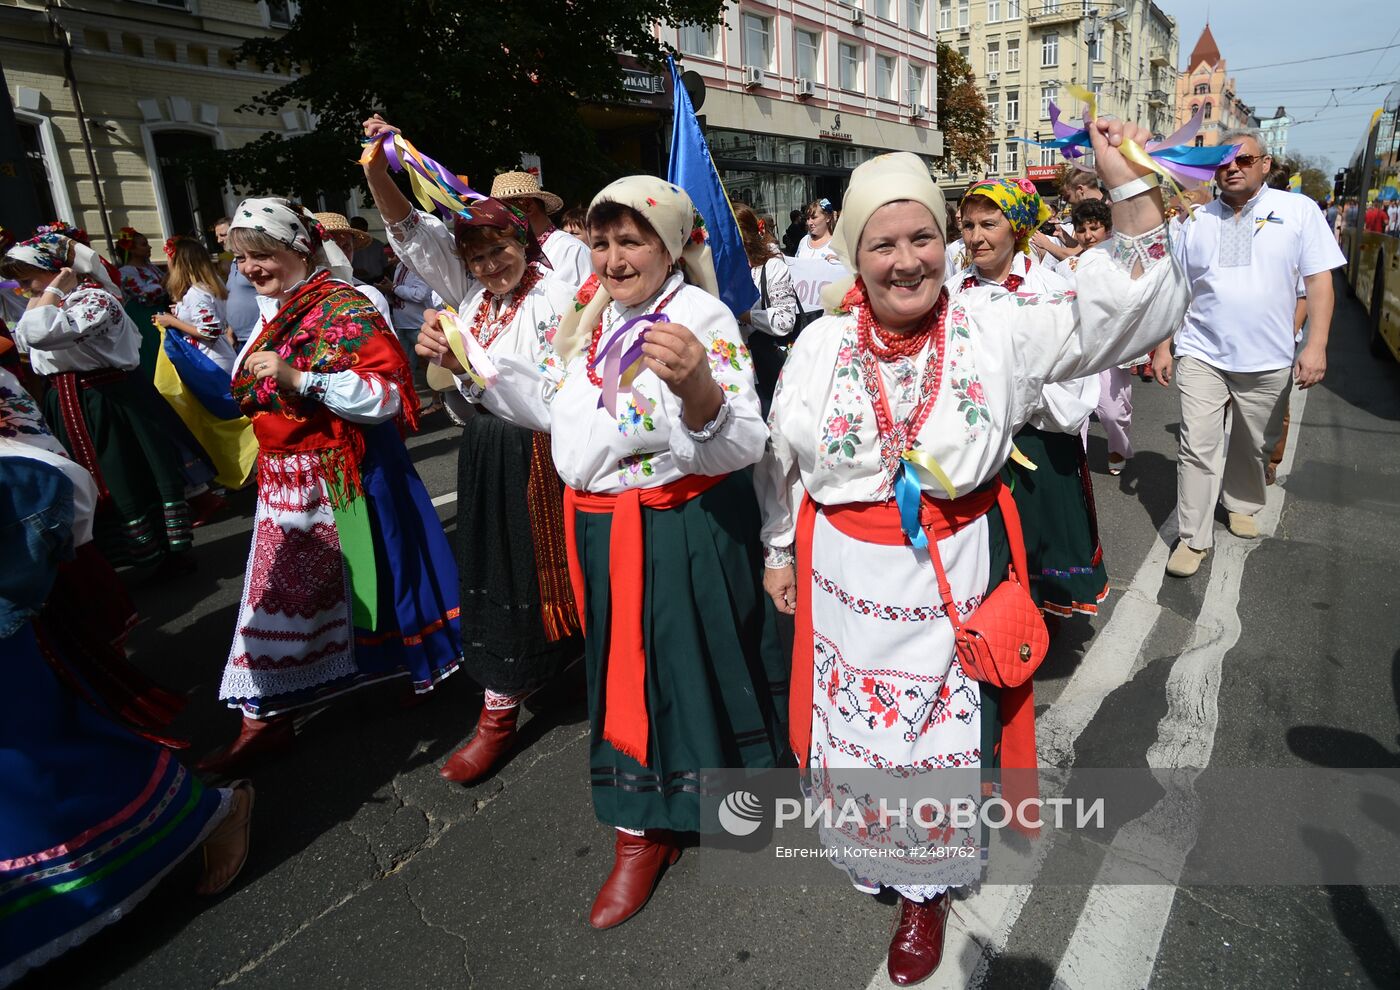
{"x":474,"y":85}
{"x":963,"y":114}
{"x":1317,"y":184}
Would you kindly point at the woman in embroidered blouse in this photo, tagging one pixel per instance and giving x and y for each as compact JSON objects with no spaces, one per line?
{"x":648,"y":394}
{"x":350,"y":580}
{"x":519,"y":623}
{"x":1056,"y":497}
{"x":143,"y":288}
{"x":901,"y":368}
{"x":199,"y":294}
{"x":111,"y":421}
{"x":821,"y":221}
{"x":774,"y":318}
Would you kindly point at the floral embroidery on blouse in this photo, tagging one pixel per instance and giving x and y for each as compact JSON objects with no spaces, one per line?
{"x":630,"y":419}
{"x":142,"y":284}
{"x":545,"y":331}
{"x":632,"y":469}
{"x":19,"y":415}
{"x":841,"y":435}
{"x":841,"y":432}
{"x":1147,"y":249}
{"x":728,"y":353}
{"x":97,"y":312}
{"x":966,"y":386}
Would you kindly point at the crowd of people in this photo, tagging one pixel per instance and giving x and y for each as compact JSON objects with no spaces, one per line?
{"x":731,"y":519}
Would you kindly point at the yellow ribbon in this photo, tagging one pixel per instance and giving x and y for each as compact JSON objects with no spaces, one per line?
{"x":1021,"y":459}
{"x":1131,"y":150}
{"x":920,"y":459}
{"x":428,"y":194}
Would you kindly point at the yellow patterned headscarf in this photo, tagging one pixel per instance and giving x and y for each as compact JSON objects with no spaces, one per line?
{"x":1019,"y":202}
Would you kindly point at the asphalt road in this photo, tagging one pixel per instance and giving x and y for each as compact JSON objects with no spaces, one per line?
{"x":368,"y":871}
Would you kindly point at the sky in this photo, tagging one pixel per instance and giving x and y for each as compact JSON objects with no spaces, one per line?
{"x":1259,"y":34}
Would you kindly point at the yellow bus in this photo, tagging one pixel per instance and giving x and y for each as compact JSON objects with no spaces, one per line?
{"x":1373,"y":259}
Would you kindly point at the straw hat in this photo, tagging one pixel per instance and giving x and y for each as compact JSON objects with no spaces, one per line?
{"x":335,"y":223}
{"x":510,"y":185}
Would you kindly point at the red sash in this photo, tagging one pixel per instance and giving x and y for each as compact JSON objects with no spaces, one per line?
{"x":625,"y":723}
{"x":878,"y":522}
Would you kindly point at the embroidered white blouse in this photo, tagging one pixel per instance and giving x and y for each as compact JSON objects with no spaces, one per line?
{"x":1064,"y":406}
{"x":345,"y":393}
{"x":88,"y":331}
{"x":597,"y":451}
{"x":23,"y":433}
{"x":780,"y":317}
{"x":528,"y":334}
{"x":999,"y":350}
{"x":143,"y":283}
{"x":569,"y":257}
{"x":826,"y":252}
{"x":206,"y":312}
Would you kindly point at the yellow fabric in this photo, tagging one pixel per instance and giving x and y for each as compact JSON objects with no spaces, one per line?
{"x":1019,"y":202}
{"x":229,"y":443}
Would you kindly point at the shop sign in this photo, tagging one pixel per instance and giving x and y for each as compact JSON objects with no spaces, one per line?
{"x":1042,"y":173}
{"x":642,"y":83}
{"x":834,"y":133}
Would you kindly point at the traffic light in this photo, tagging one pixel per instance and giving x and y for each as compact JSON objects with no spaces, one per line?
{"x":1339,"y":184}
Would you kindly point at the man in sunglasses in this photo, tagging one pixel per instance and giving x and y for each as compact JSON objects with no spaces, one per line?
{"x":1244,"y":254}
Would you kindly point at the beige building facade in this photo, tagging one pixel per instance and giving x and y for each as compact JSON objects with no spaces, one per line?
{"x":1025,"y":54}
{"x":156,"y":86}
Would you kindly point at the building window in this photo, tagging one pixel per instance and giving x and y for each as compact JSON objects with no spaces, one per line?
{"x":884,"y":77}
{"x":808,"y":54}
{"x":914,"y":15}
{"x":1013,"y":10}
{"x":880,"y":8}
{"x":1050,"y":50}
{"x":1200,"y":141}
{"x":1096,"y":47}
{"x":993,"y":11}
{"x":914,"y":84}
{"x":1013,"y":54}
{"x":1202,"y":88}
{"x":963,"y":14}
{"x":848,"y":59}
{"x":36,"y":168}
{"x":993,"y":58}
{"x":279,"y":12}
{"x":1013,"y":165}
{"x":1013,"y":106}
{"x":192,"y":202}
{"x":1047,"y":96}
{"x":758,"y":42}
{"x":963,"y":50}
{"x":697,"y":39}
{"x":945,"y":15}
{"x":1195,"y":108}
{"x":1098,"y":91}
{"x":992,"y":161}
{"x":1206,"y":115}
{"x":1050,"y":7}
{"x":1049,"y":156}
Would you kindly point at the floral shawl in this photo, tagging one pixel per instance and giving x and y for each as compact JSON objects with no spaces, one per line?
{"x":326,"y":327}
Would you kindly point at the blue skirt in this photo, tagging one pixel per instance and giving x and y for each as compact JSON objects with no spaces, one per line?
{"x":91,"y":815}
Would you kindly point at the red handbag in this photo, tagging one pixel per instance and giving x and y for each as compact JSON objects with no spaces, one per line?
{"x":1004,"y":640}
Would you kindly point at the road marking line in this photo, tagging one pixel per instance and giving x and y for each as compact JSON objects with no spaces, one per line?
{"x":1119,"y":932}
{"x":444,"y":499}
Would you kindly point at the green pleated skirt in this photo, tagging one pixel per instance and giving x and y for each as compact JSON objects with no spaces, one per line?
{"x":1056,"y":502}
{"x":717,"y":660}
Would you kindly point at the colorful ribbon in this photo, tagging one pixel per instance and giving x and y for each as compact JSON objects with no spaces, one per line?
{"x":468,"y":350}
{"x":1180,"y":163}
{"x":620,"y":365}
{"x":434,"y":186}
{"x":909,"y":494}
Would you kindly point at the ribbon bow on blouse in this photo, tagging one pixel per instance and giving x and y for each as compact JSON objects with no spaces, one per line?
{"x":620,"y":365}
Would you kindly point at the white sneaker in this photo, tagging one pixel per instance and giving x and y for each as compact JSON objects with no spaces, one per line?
{"x":1243,"y":526}
{"x":1185,"y":560}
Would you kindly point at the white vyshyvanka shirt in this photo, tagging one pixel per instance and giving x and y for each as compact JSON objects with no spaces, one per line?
{"x":207,"y":313}
{"x":597,"y":451}
{"x":805,"y":249}
{"x":88,"y":331}
{"x":1068,"y":268}
{"x":424,"y":243}
{"x":569,"y":257}
{"x":1065,"y":406}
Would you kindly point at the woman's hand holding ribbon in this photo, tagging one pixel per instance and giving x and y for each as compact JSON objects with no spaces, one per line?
{"x":671,"y":352}
{"x":432,"y":344}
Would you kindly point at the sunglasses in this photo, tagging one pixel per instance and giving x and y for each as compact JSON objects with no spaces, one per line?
{"x":1245,"y":161}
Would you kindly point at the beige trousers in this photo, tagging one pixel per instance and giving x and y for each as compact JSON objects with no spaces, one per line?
{"x":1257,"y":401}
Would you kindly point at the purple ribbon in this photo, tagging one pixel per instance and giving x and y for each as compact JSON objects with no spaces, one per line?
{"x":617,"y":361}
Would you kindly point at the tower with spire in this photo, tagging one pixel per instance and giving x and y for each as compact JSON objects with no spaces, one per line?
{"x":1206,"y":85}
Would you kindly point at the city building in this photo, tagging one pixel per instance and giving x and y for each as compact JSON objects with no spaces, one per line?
{"x":798,"y":93}
{"x":1275,"y":131}
{"x":155,"y":83}
{"x":1206,"y":85}
{"x":1026,"y":52}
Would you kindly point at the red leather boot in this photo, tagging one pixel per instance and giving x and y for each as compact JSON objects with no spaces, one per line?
{"x":495,"y":734}
{"x":916,"y":948}
{"x":258,"y":739}
{"x":637,"y":865}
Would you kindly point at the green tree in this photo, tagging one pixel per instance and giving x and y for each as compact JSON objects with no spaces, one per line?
{"x":963,"y":115}
{"x":474,"y":85}
{"x":1317,"y":184}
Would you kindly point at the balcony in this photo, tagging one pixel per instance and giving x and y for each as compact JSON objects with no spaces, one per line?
{"x":1158,"y":57}
{"x":1065,"y":12}
{"x":1156,"y":98}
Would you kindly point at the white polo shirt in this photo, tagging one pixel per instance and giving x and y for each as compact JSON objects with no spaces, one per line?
{"x":1244,"y":273}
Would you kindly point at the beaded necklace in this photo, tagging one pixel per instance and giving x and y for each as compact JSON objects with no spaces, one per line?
{"x":607,"y":314}
{"x":486,"y":328}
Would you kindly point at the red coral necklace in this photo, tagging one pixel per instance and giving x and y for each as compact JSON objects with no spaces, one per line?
{"x":486,"y":328}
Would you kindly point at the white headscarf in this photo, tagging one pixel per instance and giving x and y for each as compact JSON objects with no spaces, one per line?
{"x":296,"y":227}
{"x":54,"y":252}
{"x":885,"y":179}
{"x":669,"y":211}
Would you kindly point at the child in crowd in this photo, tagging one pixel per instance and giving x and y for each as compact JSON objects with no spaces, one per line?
{"x":199,"y":294}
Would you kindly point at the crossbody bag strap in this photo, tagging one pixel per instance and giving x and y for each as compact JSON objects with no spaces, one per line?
{"x":763,"y":285}
{"x":945,"y":590}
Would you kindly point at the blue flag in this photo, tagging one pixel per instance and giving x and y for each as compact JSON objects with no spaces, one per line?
{"x":692,"y":170}
{"x":204,"y":379}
